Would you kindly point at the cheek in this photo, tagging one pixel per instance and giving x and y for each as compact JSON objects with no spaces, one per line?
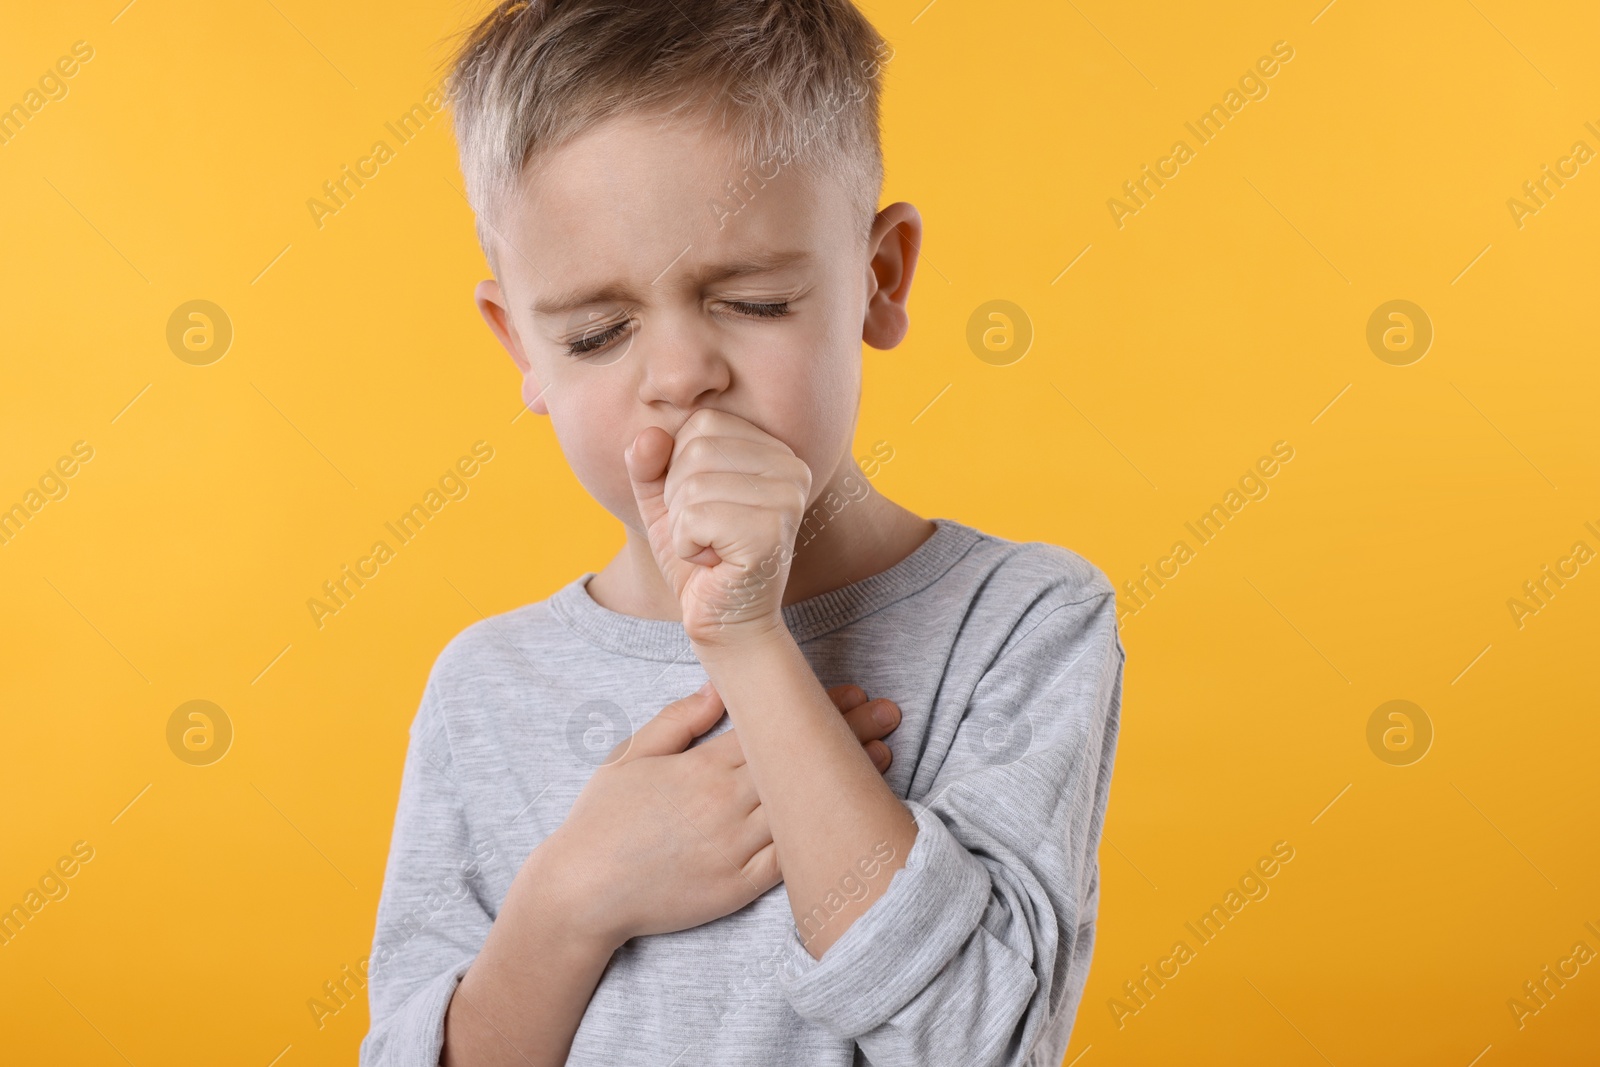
{"x":591,"y":437}
{"x":812,"y":397}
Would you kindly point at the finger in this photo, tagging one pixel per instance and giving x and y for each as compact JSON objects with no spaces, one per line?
{"x":880,"y":755}
{"x":762,"y":868}
{"x":673,"y":727}
{"x":726,"y":495}
{"x":734,"y":487}
{"x":646,"y":460}
{"x":745,"y":798}
{"x":709,"y":422}
{"x":845,"y":697}
{"x":863,"y":720}
{"x":753,"y":833}
{"x":732,"y":455}
{"x":736,"y":532}
{"x":723,"y":750}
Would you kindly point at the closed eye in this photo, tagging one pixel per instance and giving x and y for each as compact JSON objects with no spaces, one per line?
{"x":591,"y":343}
{"x":762,"y":311}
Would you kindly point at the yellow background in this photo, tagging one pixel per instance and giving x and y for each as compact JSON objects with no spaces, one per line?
{"x":1226,"y":315}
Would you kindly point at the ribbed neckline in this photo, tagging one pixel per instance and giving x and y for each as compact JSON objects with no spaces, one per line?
{"x":661,"y":639}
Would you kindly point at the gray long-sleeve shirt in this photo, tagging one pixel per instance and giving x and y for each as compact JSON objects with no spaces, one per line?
{"x":1005,"y":661}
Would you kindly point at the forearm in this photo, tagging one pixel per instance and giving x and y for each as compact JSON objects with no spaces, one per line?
{"x":827,"y":806}
{"x":522,"y":1000}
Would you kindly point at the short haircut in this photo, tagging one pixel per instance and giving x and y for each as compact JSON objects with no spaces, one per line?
{"x":790,"y":82}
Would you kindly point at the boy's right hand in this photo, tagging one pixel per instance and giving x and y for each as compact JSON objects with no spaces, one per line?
{"x":666,"y":837}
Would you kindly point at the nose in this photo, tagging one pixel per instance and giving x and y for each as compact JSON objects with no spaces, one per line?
{"x":683,"y":363}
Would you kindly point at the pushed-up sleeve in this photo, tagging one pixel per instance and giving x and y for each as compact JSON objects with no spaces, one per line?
{"x":432,"y":919}
{"x":977,"y":952}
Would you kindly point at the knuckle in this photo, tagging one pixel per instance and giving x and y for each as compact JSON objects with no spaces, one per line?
{"x":692,"y":485}
{"x":693,"y":449}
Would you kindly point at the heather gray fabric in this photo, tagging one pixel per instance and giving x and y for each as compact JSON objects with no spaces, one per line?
{"x":1005,"y":661}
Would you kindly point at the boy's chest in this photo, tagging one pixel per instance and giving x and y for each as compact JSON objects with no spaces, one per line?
{"x":522,"y":776}
{"x":523,"y":784}
{"x":711,"y":994}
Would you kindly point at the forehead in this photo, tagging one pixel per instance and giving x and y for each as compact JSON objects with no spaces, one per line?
{"x":634,"y":198}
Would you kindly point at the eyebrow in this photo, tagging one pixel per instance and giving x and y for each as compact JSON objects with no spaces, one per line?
{"x":616,"y":292}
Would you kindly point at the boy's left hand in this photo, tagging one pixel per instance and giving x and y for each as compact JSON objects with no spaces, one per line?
{"x":721,"y":503}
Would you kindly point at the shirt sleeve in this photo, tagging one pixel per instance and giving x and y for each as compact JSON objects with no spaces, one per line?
{"x":432,"y":919}
{"x":978,"y":950}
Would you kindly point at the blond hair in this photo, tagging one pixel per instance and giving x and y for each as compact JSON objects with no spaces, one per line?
{"x":791,"y":82}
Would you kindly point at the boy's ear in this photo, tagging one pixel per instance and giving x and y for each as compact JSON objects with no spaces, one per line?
{"x":893,"y":245}
{"x":492,"y":306}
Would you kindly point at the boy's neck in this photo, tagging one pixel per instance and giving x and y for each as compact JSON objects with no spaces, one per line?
{"x":867,"y":536}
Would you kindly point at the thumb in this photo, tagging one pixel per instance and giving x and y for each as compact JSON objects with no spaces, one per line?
{"x":646,"y":460}
{"x":674,"y":726}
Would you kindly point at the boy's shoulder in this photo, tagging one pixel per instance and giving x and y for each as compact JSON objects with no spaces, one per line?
{"x":1026,"y":581}
{"x":1044,"y":565}
{"x":494,"y":649}
{"x":1035,"y":574}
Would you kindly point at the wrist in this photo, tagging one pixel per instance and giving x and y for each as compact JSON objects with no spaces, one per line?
{"x":742,"y":635}
{"x":561,"y":888}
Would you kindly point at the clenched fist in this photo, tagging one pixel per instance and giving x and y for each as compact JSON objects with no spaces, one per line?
{"x":721,"y":503}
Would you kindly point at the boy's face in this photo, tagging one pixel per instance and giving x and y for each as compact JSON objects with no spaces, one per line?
{"x":611,"y":304}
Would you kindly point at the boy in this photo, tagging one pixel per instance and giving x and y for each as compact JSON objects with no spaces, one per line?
{"x":678,"y":202}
